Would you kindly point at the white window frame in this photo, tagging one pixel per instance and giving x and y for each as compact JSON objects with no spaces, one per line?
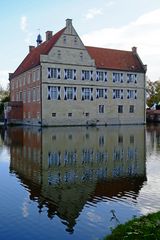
{"x":117,"y":93}
{"x":70,"y":93}
{"x":53,"y":93}
{"x":70,"y":74}
{"x":87,"y":93}
{"x":131,"y":78}
{"x":117,"y":77}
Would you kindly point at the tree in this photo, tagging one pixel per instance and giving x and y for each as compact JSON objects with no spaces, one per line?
{"x":4,"y":97}
{"x":153,"y":92}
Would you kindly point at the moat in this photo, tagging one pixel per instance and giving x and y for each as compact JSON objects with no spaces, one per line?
{"x":76,"y":182}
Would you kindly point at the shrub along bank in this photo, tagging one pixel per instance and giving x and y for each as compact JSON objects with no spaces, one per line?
{"x":146,"y":227}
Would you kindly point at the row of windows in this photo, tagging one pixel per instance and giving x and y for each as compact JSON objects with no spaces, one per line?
{"x":71,"y":74}
{"x":31,"y":95}
{"x":70,"y":93}
{"x":26,"y":79}
{"x":101,"y":109}
{"x":88,"y":155}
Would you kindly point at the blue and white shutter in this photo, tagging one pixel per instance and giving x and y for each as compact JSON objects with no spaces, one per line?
{"x":121,"y":94}
{"x":121,"y":77}
{"x":97,"y":76}
{"x":74,"y":74}
{"x":49,"y":93}
{"x":58,"y":73}
{"x":91,"y":75}
{"x":65,"y":94}
{"x":113,"y":94}
{"x":135,"y":94}
{"x":75,"y":93}
{"x":82,"y":94}
{"x":91,"y":94}
{"x":105,"y":93}
{"x":49,"y":72}
{"x":82,"y":75}
{"x":65,"y":73}
{"x":97,"y":93}
{"x":58,"y":93}
{"x":105,"y":76}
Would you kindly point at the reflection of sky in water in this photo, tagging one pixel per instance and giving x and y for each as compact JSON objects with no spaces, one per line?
{"x":52,"y":203}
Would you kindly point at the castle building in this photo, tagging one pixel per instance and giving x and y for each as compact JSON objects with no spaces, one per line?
{"x":62,"y":82}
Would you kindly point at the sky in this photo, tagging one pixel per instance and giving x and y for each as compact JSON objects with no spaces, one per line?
{"x":118,"y":24}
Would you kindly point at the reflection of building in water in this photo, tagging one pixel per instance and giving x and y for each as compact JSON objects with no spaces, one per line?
{"x":66,"y":167}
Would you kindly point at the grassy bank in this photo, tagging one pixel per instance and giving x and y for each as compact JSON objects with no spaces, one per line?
{"x":146,"y":227}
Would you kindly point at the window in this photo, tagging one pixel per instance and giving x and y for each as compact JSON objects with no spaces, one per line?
{"x":69,"y":114}
{"x":70,"y":93}
{"x":59,"y":54}
{"x":87,"y":75}
{"x":70,"y":74}
{"x":120,"y":139}
{"x":101,"y":76}
{"x":117,"y":93}
{"x":101,"y":108}
{"x":37,"y":75}
{"x":117,"y":77}
{"x":87,"y":114}
{"x":131,"y":78}
{"x":20,"y":96}
{"x":87,"y":93}
{"x":54,"y":73}
{"x":131,"y":94}
{"x":53,"y":93}
{"x":34,"y":94}
{"x":38,"y":93}
{"x":64,"y":39}
{"x":75,"y":40}
{"x":101,"y":93}
{"x":81,"y":56}
{"x":131,"y":108}
{"x":120,"y":108}
{"x":29,"y":96}
{"x":24,"y":96}
{"x":53,"y":114}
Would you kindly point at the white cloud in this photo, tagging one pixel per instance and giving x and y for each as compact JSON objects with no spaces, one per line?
{"x":3,"y":78}
{"x":92,"y":13}
{"x":24,"y":23}
{"x":143,"y":33}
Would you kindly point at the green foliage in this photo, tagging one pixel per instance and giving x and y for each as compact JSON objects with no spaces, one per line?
{"x":153,"y":92}
{"x":146,"y":227}
{"x":4,"y":98}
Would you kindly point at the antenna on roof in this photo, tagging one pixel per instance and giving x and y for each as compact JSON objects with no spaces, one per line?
{"x":39,"y":38}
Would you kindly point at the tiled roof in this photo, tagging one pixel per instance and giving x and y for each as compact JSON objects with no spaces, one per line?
{"x":104,"y":57}
{"x":116,"y":59}
{"x":33,"y":58}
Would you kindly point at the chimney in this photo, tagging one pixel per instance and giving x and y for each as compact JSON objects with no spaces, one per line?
{"x":68,"y":22}
{"x":48,"y":35}
{"x":31,"y":48}
{"x":134,"y":50}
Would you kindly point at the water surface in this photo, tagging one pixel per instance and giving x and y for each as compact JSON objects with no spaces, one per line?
{"x":76,"y":182}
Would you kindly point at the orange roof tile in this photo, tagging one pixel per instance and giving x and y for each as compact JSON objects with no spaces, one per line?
{"x":116,"y":59}
{"x":33,"y":58}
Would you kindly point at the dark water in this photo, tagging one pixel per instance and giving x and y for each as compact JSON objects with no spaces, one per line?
{"x":76,"y":183}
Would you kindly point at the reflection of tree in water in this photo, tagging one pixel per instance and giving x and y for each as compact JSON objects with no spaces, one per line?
{"x":63,"y":173}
